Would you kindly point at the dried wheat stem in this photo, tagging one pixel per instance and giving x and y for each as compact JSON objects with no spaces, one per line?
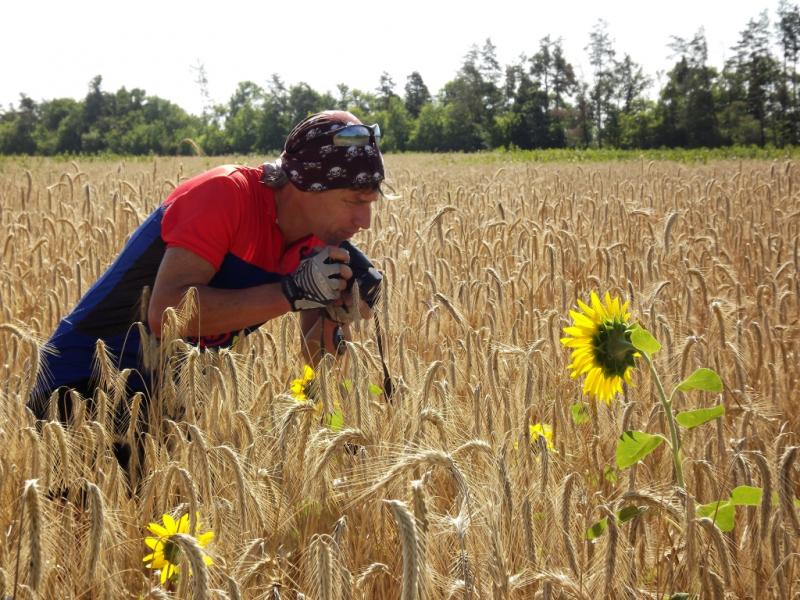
{"x":322,"y":568}
{"x":765,"y":509}
{"x":371,"y":570}
{"x":33,"y":507}
{"x":786,"y":489}
{"x":408,"y":540}
{"x":194,"y":556}
{"x":233,"y":588}
{"x":566,"y":513}
{"x":241,"y":486}
{"x":611,"y":550}
{"x":98,"y":517}
{"x":719,"y":543}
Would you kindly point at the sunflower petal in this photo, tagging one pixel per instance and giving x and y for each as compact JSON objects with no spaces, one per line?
{"x":159,"y":530}
{"x":169,"y":524}
{"x":152,"y":542}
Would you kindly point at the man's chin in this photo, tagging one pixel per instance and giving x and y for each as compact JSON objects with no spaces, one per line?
{"x":338,"y":238}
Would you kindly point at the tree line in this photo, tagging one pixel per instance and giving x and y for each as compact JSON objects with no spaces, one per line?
{"x":536,"y":102}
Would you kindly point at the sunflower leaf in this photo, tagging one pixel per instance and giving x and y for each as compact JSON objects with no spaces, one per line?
{"x":746,"y":495}
{"x":580,"y":414}
{"x":597,"y":529}
{"x":722,"y":512}
{"x":335,"y":420}
{"x":625,"y":514}
{"x":643,"y":340}
{"x":690,"y":419}
{"x":702,"y":379}
{"x":633,"y":446}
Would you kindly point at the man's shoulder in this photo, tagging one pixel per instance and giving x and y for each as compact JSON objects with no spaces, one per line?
{"x":229,"y":178}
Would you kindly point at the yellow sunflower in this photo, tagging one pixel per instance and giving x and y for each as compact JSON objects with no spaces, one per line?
{"x":165,"y":554}
{"x":544,"y":430}
{"x":600,"y":338}
{"x":303,"y":391}
{"x":301,"y":387}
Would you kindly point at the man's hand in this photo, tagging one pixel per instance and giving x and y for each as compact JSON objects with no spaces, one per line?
{"x":319,"y":280}
{"x":350,"y":308}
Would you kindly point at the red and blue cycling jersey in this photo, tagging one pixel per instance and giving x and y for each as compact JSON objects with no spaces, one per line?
{"x":227,"y":216}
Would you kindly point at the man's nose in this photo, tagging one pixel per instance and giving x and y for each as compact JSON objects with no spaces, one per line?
{"x":363,"y":216}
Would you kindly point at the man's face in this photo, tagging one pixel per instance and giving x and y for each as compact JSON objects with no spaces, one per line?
{"x":337,"y":215}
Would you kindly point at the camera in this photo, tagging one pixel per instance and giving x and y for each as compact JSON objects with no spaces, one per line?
{"x":364,"y":272}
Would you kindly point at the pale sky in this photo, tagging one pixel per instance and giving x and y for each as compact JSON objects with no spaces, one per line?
{"x":53,"y":49}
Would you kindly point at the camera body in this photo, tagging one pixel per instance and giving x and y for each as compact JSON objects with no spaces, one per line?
{"x":364,"y":272}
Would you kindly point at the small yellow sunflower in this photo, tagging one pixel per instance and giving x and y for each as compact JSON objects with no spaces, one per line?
{"x":165,"y":554}
{"x":544,"y":430}
{"x":303,"y":392}
{"x":301,"y":387}
{"x":600,"y":338}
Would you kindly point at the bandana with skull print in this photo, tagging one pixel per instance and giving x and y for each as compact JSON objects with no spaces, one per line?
{"x":312,"y":162}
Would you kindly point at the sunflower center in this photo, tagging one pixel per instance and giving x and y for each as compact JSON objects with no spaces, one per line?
{"x":612,"y":347}
{"x":172,"y":552}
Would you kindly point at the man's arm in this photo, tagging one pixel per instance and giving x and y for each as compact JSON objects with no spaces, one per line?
{"x":219,"y":310}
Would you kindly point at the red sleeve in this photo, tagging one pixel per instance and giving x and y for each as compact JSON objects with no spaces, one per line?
{"x":204,"y":218}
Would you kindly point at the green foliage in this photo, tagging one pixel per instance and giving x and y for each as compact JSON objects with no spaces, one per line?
{"x":642,"y":340}
{"x":721,"y":512}
{"x":634,"y":446}
{"x":335,"y":420}
{"x":536,"y":108}
{"x":690,"y":419}
{"x":580,"y":414}
{"x":702,"y":379}
{"x":625,"y":514}
{"x":746,"y":495}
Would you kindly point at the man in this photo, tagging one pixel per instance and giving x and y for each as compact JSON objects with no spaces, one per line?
{"x":255,"y":243}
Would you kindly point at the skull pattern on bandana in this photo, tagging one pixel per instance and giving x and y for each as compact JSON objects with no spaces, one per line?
{"x":313,"y":163}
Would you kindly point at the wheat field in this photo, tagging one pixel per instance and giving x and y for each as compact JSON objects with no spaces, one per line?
{"x":440,"y":491}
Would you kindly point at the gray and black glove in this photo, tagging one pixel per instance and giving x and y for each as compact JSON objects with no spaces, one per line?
{"x":315,"y":283}
{"x":347,"y":314}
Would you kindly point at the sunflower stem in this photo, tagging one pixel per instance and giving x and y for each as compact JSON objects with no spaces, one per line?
{"x":675,"y":442}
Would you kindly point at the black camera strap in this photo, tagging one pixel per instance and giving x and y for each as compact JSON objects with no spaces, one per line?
{"x":388,"y":387}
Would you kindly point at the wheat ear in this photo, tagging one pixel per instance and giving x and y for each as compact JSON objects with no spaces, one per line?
{"x":33,"y":505}
{"x":408,"y":539}
{"x":194,"y":556}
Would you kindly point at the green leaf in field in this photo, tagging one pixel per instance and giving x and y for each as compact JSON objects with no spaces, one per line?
{"x":597,"y":529}
{"x":680,"y":596}
{"x":580,"y":414}
{"x":693,"y":418}
{"x":633,"y":446}
{"x":625,"y":514}
{"x":746,"y":495}
{"x":375,"y":390}
{"x":644,"y":341}
{"x":702,"y":379}
{"x":725,"y":514}
{"x":610,"y":474}
{"x":347,"y":384}
{"x":335,"y":420}
{"x":629,"y":512}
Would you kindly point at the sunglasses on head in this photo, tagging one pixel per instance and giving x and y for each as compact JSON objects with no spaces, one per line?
{"x":356,"y":135}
